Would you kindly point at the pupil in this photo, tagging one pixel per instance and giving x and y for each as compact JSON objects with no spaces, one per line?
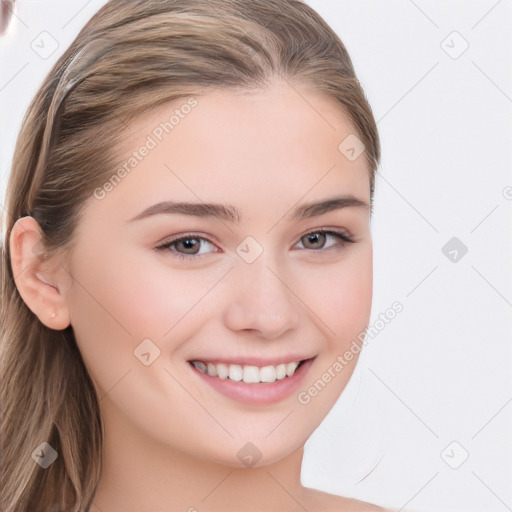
{"x":316,"y":238}
{"x":190,"y":244}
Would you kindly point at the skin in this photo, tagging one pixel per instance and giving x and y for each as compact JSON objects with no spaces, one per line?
{"x":171,"y":441}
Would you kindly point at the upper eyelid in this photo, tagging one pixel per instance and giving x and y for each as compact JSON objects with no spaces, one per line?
{"x":333,"y":231}
{"x":186,"y":236}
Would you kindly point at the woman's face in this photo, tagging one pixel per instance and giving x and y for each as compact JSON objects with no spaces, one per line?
{"x":246,"y":265}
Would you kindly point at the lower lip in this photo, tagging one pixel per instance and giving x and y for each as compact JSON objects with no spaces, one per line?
{"x":262,"y":393}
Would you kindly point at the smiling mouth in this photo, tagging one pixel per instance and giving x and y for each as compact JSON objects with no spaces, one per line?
{"x":248,"y":374}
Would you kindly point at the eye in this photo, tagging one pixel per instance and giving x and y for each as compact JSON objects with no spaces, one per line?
{"x":193,"y":245}
{"x":324,"y":239}
{"x":189,"y":245}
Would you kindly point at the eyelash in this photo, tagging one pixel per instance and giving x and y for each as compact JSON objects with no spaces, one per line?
{"x":342,"y":239}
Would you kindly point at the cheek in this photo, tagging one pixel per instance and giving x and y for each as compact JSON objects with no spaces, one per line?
{"x":342,"y":301}
{"x":158,"y":299}
{"x":117,"y":302}
{"x":341,"y":296}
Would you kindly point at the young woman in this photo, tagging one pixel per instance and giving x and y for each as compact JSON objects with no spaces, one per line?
{"x":187,"y":261}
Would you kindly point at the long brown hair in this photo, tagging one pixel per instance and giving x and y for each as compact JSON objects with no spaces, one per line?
{"x":130,"y":57}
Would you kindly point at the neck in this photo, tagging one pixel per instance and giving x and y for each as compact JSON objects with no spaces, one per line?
{"x":138,"y":473}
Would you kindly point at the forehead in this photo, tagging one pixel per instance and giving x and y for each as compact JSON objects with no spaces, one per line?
{"x":273,"y":146}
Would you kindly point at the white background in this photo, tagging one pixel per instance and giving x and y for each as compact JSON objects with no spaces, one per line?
{"x":440,"y":372}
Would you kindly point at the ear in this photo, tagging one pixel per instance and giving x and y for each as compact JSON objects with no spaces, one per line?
{"x":40,"y":284}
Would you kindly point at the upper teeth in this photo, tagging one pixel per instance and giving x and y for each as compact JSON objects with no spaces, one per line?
{"x":249,"y":374}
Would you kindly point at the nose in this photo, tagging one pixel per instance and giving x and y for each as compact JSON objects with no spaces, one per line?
{"x":262,"y":301}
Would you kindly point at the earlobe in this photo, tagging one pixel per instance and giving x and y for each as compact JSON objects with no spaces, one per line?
{"x":35,"y":280}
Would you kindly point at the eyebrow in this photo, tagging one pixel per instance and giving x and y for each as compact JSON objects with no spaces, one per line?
{"x":231,"y":214}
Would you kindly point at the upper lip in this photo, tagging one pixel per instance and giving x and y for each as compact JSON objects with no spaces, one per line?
{"x":252,"y":361}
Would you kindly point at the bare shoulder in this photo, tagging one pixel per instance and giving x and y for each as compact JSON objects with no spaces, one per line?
{"x":315,"y":500}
